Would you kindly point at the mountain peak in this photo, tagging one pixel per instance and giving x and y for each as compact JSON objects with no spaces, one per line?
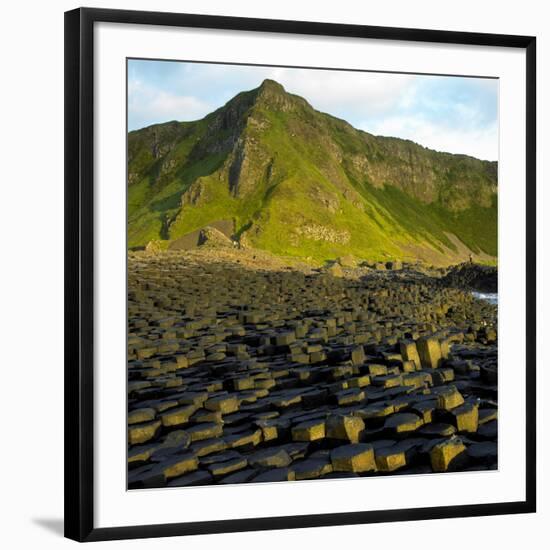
{"x":272,"y":95}
{"x":297,"y":182}
{"x":271,"y":86}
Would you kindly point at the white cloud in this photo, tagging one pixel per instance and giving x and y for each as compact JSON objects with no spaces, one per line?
{"x":332,"y":91}
{"x":355,"y":92}
{"x":477,"y":142}
{"x":148,"y":105}
{"x":446,"y":114}
{"x":187,"y":107}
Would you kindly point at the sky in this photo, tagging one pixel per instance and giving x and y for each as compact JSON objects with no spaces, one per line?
{"x":445,"y":113}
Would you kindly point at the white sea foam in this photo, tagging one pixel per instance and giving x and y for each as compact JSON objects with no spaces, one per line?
{"x":491,"y":297}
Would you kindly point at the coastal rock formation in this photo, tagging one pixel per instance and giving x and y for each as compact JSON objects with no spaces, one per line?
{"x":242,"y":374}
{"x":482,"y":278}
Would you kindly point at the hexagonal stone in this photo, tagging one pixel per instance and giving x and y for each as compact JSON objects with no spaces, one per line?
{"x":348,"y":397}
{"x":178,"y":465}
{"x":449,"y":398}
{"x":297,"y":449}
{"x":437,"y":430}
{"x":164,"y":405}
{"x":146,"y":477}
{"x":391,"y":458}
{"x":401,"y":402}
{"x":192,"y":398}
{"x":138,"y":416}
{"x":245,"y":439}
{"x":358,"y":355}
{"x":177,"y":416}
{"x":242,"y":476}
{"x":311,"y":468}
{"x":445,"y":348}
{"x":136,"y":385}
{"x":145,"y":353}
{"x":208,"y":430}
{"x":172,"y":382}
{"x":176,"y":438}
{"x":466,"y":417}
{"x":270,"y":429}
{"x":161,"y":454}
{"x":208,"y":446}
{"x":409,"y":352}
{"x":203,"y":415}
{"x":198,"y":477}
{"x":377,"y":370}
{"x":290,"y":399}
{"x":425,"y":410}
{"x":226,"y":404}
{"x":227,"y":467}
{"x":485,"y":452}
{"x":243,"y":383}
{"x":414,"y":379}
{"x":215,"y":357}
{"x":141,"y":433}
{"x":275,"y":457}
{"x":267,"y":383}
{"x":251,"y":318}
{"x":181,"y":361}
{"x":389,"y":381}
{"x":447,"y":455}
{"x":317,"y":357}
{"x":310,"y":430}
{"x":442,"y":376}
{"x":276,"y":474}
{"x":489,"y":430}
{"x":344,"y":427}
{"x":429,"y":350}
{"x":302,"y":358}
{"x":285,"y":338}
{"x":359,"y":381}
{"x":381,"y":444}
{"x":374,"y":410}
{"x":408,"y":366}
{"x":139,"y":454}
{"x":219,"y":457}
{"x":403,"y":422}
{"x":357,"y":457}
{"x":314,"y":398}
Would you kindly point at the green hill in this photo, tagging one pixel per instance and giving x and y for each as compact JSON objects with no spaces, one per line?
{"x":297,"y":182}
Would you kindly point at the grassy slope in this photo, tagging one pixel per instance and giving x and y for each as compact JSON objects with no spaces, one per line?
{"x":303,"y":145}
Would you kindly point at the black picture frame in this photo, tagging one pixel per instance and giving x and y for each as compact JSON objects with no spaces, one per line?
{"x":79,"y":272}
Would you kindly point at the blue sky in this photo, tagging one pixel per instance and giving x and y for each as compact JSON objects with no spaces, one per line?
{"x":454,"y":114}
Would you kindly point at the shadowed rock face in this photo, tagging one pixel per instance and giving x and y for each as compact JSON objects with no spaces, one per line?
{"x":473,"y":277}
{"x":240,"y":375}
{"x":221,"y":230}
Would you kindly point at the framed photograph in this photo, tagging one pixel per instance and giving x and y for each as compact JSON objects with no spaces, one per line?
{"x":300,"y":274}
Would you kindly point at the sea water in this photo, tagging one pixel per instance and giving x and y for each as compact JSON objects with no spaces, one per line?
{"x":491,"y":297}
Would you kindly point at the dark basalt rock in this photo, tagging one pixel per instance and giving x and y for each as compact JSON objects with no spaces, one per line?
{"x":472,"y":276}
{"x":247,"y":376}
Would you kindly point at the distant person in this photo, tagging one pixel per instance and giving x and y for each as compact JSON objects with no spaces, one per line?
{"x":471,"y":259}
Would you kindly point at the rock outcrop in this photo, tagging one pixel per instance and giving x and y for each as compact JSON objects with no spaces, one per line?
{"x":482,"y":278}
